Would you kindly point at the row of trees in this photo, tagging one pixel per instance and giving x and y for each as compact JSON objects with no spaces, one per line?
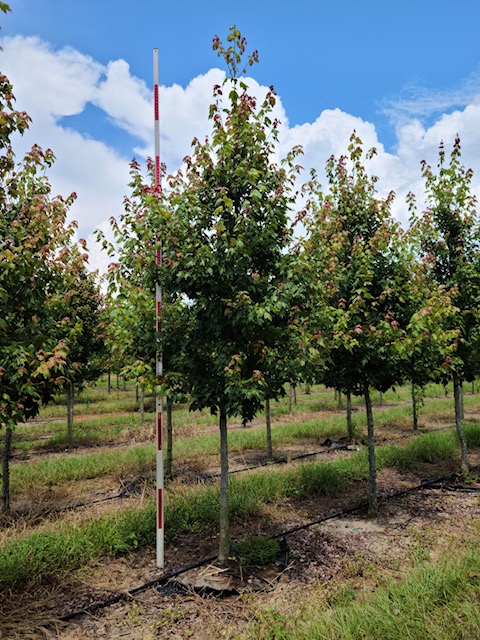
{"x":51,"y":331}
{"x":359,"y":304}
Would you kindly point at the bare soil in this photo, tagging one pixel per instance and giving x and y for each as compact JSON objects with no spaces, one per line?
{"x":356,"y":551}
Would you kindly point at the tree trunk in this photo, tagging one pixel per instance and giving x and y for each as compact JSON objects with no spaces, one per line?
{"x":124,"y":384}
{"x":462,"y":406}
{"x":268,"y":425}
{"x":169,"y":456}
{"x":118,"y":381}
{"x":473,"y":387}
{"x":224,"y":541}
{"x":372,"y":464}
{"x":350,"y":429}
{"x":414,"y":408}
{"x":142,"y":405}
{"x":136,"y":393}
{"x":340,"y":403}
{"x":290,"y":394}
{"x":70,"y":403}
{"x":457,"y":393}
{"x":7,"y":448}
{"x":109,"y":382}
{"x":295,"y":394}
{"x":380,"y":399}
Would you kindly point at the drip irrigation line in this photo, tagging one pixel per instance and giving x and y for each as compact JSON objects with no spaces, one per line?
{"x":163,"y":579}
{"x":166,"y":577}
{"x":212,"y":476}
{"x":324,"y":450}
{"x":459,"y":489}
{"x":126,"y":494}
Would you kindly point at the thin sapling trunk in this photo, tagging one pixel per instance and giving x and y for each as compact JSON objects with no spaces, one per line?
{"x":457,"y":392}
{"x":141,"y":400}
{"x":224,"y":541}
{"x":372,"y":463}
{"x":7,"y":449}
{"x":350,"y":429}
{"x":414,"y":408}
{"x":268,"y":426}
{"x":70,"y":405}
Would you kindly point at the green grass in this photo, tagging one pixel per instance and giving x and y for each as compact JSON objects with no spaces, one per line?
{"x":140,"y":457}
{"x":41,"y":555}
{"x":68,"y":468}
{"x":439,"y":601}
{"x":195,"y":508}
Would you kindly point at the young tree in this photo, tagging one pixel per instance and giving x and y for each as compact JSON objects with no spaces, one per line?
{"x":449,"y":237}
{"x":225,"y":242}
{"x":358,"y":260}
{"x":34,"y":256}
{"x":132,"y":328}
{"x":78,"y":310}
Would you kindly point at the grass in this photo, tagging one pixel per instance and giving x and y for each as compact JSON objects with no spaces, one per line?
{"x":54,"y":471}
{"x":139,"y":458}
{"x":48,"y":553}
{"x":438,"y":601}
{"x":195,"y":508}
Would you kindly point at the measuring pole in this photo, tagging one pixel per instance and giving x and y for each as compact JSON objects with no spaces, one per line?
{"x":159,"y":355}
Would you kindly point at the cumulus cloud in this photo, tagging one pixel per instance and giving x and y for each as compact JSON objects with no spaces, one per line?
{"x":52,"y":84}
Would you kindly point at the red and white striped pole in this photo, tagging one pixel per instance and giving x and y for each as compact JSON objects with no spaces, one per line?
{"x":159,"y":361}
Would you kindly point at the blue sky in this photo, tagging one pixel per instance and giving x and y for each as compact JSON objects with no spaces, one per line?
{"x":405,"y":74}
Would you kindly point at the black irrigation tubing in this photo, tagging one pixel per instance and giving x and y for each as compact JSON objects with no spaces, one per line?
{"x":212,"y":476}
{"x":44,"y":452}
{"x":325,"y":449}
{"x":96,"y":606}
{"x":123,"y":494}
{"x":166,"y":577}
{"x":80,"y":505}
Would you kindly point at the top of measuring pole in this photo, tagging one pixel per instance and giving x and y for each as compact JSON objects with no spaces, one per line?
{"x":158,"y":187}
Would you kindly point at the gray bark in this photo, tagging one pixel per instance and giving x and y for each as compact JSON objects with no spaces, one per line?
{"x":142,"y":405}
{"x":350,"y":429}
{"x":268,"y":426}
{"x":70,"y":405}
{"x":224,"y":541}
{"x":372,"y":463}
{"x":7,"y":449}
{"x":414,"y":408}
{"x":457,"y":393}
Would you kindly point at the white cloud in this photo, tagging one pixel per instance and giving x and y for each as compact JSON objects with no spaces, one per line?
{"x":421,"y":101}
{"x":52,"y":84}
